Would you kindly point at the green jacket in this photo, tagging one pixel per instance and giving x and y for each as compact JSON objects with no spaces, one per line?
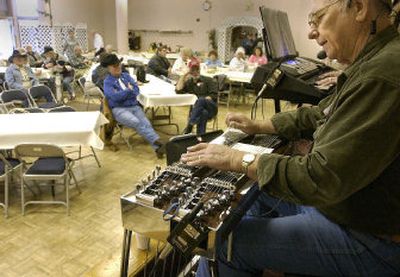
{"x":352,"y":174}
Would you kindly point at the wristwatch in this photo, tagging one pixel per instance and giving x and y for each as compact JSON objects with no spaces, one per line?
{"x":247,"y":160}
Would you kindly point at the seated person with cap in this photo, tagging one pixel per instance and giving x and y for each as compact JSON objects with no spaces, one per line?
{"x":121,"y":92}
{"x":34,"y":58}
{"x":19,"y":75}
{"x":159,"y":65}
{"x":78,"y":60}
{"x":239,"y":62}
{"x":205,"y":88}
{"x":57,"y":63}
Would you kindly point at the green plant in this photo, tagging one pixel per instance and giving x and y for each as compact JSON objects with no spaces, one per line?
{"x":212,"y":39}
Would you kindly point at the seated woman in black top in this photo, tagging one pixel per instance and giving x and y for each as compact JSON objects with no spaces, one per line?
{"x":205,"y":88}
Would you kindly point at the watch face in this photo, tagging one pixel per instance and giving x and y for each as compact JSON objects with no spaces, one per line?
{"x":248,"y":158}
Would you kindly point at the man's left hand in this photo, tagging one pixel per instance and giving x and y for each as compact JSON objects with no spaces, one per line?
{"x":214,"y":156}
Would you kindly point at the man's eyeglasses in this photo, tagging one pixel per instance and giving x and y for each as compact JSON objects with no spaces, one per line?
{"x":314,"y":19}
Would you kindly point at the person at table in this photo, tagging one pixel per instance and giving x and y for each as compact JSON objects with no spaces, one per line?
{"x":258,"y":58}
{"x":180,"y":66}
{"x":248,"y":43}
{"x":98,"y":41}
{"x":58,"y":65}
{"x":78,"y":60}
{"x":205,"y":88}
{"x":51,"y":57}
{"x":159,"y":64}
{"x":34,"y":58}
{"x":69,"y":45}
{"x":109,"y":49}
{"x":213,"y":61}
{"x":19,"y":75}
{"x":338,"y":204}
{"x":239,"y":62}
{"x":99,"y":74}
{"x":121,"y":92}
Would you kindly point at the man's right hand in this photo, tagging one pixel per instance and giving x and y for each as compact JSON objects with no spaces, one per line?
{"x":242,"y":122}
{"x":251,"y":127}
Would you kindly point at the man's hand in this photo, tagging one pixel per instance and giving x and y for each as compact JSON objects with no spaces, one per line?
{"x":251,"y":127}
{"x":242,"y":122}
{"x":214,"y":156}
{"x":328,"y":79}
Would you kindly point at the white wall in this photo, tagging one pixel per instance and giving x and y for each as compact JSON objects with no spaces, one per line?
{"x":90,"y":12}
{"x":182,"y":15}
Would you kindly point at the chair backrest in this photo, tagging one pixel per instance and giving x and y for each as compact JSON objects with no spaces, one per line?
{"x":40,"y":91}
{"x":39,"y":151}
{"x":61,"y":109}
{"x":13,"y":95}
{"x":6,"y":86}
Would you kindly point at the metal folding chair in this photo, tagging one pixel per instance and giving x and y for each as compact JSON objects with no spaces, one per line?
{"x":7,"y":167}
{"x":61,"y":109}
{"x":80,"y":156}
{"x":90,"y":93}
{"x":26,"y":110}
{"x":40,"y":92}
{"x":51,"y":164}
{"x":14,"y":98}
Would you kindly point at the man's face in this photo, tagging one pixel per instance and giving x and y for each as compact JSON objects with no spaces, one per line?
{"x":78,"y":51}
{"x":334,"y":27}
{"x":19,"y":61}
{"x":163,"y":52}
{"x":29,"y":48}
{"x":115,"y":70}
{"x":240,"y":55}
{"x":213,"y":57}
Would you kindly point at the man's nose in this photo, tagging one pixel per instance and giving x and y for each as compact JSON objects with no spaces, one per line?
{"x":313,"y":33}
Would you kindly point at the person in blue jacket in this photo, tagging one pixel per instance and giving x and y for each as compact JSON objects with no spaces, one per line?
{"x":121,"y":92}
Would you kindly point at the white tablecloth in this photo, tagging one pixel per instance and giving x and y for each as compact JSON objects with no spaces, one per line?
{"x":233,"y":76}
{"x":135,"y":57}
{"x":62,"y":129}
{"x":158,"y":92}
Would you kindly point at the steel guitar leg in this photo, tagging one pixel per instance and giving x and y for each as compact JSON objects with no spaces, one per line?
{"x":126,"y":247}
{"x":277,"y":103}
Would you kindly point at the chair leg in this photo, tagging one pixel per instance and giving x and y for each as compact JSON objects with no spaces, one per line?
{"x":72,"y":175}
{"x":53,"y":191}
{"x":22,"y":194}
{"x":6,"y":197}
{"x":66,"y":184}
{"x":95,"y":156}
{"x":87,"y":104}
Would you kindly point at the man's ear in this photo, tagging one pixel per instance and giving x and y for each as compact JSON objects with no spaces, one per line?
{"x":362,"y":9}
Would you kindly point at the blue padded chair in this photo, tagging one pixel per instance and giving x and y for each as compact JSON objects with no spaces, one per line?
{"x":41,"y":92}
{"x":51,"y":164}
{"x":10,"y":99}
{"x":26,"y":110}
{"x":7,"y":168}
